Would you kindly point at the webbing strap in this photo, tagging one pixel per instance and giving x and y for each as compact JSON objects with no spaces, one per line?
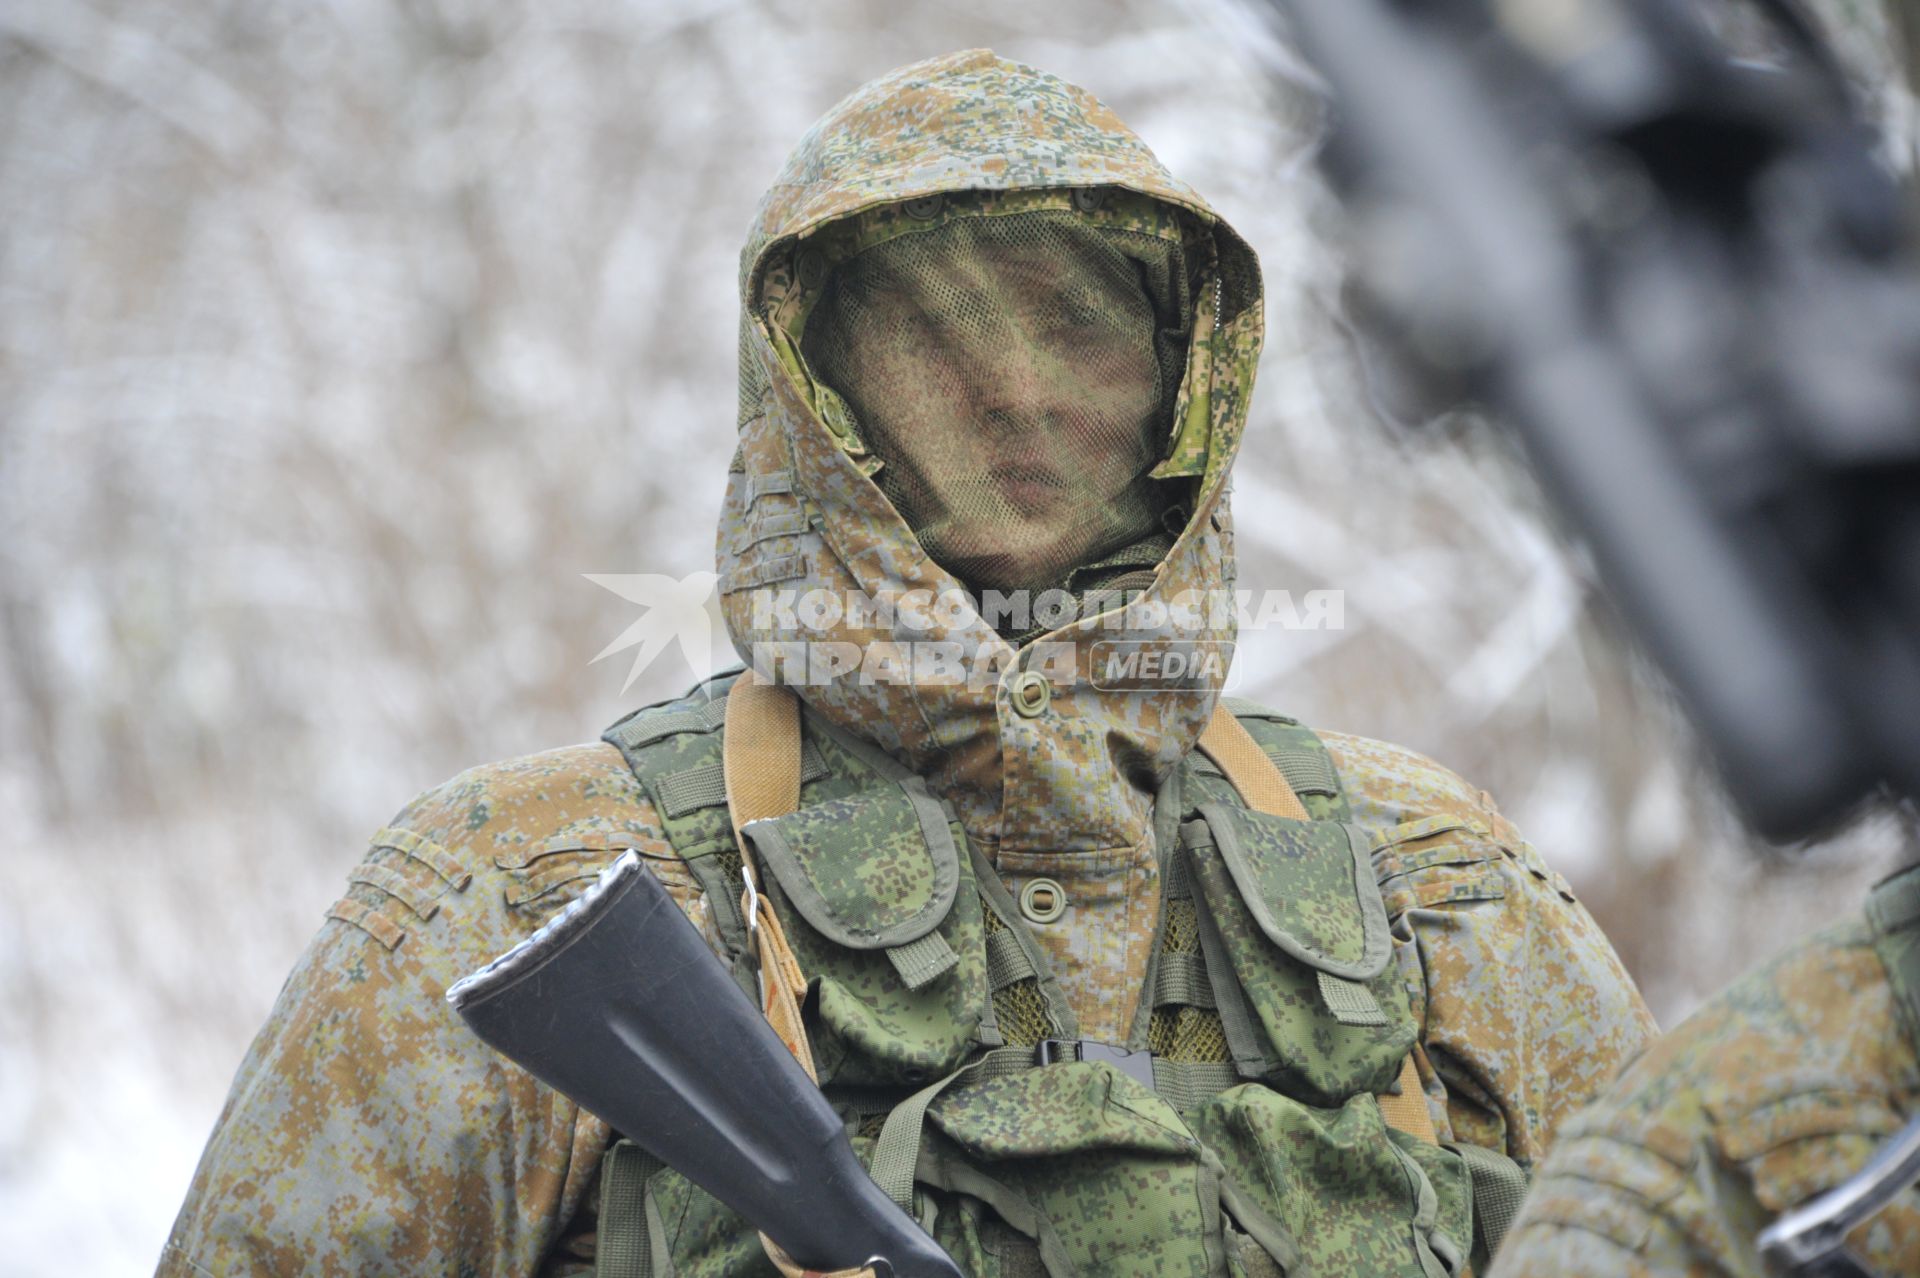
{"x":1351,"y":1002}
{"x":760,"y":761}
{"x":761,"y":751}
{"x":1187,"y":1085}
{"x":1309,"y":770}
{"x":1006,"y":961}
{"x":705,"y":785}
{"x":1499,"y":1185}
{"x":898,"y":1149}
{"x":1248,"y":768}
{"x":1183,"y":980}
{"x":623,"y":1247}
{"x":644,"y":730}
{"x":921,"y":962}
{"x":1407,"y":1112}
{"x":791,"y":1268}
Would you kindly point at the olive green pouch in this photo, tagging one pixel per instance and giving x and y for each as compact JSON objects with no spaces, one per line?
{"x":1298,"y":952}
{"x":884,"y":918}
{"x":1354,"y":1196}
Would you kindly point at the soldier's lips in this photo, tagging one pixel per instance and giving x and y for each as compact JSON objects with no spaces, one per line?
{"x":1029,"y":486}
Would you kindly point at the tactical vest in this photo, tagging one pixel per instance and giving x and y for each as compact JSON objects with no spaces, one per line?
{"x":1242,"y":1134}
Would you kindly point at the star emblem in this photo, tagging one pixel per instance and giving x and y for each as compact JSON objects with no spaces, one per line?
{"x":676,"y":613}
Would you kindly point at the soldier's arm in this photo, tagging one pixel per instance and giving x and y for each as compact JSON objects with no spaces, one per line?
{"x":1778,"y":1089}
{"x":1526,"y":1011}
{"x":368,"y":1131}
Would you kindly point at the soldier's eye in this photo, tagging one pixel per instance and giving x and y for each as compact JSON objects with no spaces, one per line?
{"x":936,"y":319}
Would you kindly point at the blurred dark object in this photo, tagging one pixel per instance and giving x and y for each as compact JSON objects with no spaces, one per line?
{"x":1686,"y":282}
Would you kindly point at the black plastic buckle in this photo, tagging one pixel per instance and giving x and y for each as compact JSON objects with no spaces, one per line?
{"x":1135,"y":1065}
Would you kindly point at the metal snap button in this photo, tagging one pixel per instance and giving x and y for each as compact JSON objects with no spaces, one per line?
{"x":1030,"y":692}
{"x":835,"y":413}
{"x":810,"y":268}
{"x":925,"y":207}
{"x":1043,"y":901}
{"x":1089,"y":198}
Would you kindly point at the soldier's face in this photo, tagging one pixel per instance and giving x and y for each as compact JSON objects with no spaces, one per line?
{"x":1013,"y":395}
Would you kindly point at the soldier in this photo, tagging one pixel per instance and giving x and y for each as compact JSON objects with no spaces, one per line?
{"x":1777,"y":1090}
{"x":1145,"y":982}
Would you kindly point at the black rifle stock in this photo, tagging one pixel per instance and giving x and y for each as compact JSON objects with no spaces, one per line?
{"x":619,"y":1004}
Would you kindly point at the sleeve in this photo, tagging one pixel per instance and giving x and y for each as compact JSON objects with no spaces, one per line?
{"x":1778,"y":1089}
{"x":1526,"y":1012}
{"x":367,"y":1130}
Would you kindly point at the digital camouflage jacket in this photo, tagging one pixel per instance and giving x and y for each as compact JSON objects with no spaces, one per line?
{"x":1776,"y":1091}
{"x":367,"y":1131}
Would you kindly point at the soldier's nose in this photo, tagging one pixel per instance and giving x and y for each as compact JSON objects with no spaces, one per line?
{"x":1014,"y":397}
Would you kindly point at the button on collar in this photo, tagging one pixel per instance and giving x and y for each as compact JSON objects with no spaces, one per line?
{"x":1030,"y":693}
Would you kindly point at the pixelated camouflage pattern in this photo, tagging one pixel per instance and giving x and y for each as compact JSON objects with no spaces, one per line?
{"x":785,"y":296}
{"x":1309,"y":890}
{"x":364,"y":1099}
{"x":964,"y":121}
{"x":369,"y":1132}
{"x":869,"y":1028}
{"x":864,"y":870}
{"x":1312,"y":1056}
{"x":1526,"y":1012}
{"x":1778,"y":1089}
{"x":1117,"y":1179}
{"x":1067,"y":794}
{"x":1335,"y":1177}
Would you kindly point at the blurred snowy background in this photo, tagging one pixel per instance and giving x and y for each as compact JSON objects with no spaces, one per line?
{"x":338,"y":341}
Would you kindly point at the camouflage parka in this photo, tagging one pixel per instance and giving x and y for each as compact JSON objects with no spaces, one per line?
{"x":1776,"y":1091}
{"x":368,"y":1132}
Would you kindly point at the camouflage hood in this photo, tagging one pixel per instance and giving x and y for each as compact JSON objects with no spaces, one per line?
{"x":1035,"y":754}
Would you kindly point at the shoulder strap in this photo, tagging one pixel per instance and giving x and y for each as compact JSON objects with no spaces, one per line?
{"x":626,"y":1236}
{"x":1406,"y":1111}
{"x":1248,"y":768}
{"x":761,"y":767}
{"x":761,"y":751}
{"x":760,"y":761}
{"x":1252,"y":772}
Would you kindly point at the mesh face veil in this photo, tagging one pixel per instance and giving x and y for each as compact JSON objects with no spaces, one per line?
{"x":1015,"y":376}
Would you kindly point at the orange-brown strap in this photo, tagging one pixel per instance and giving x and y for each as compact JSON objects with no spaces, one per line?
{"x":789,"y":1268}
{"x":1407,"y":1112}
{"x":1247,"y":767}
{"x":761,"y":753}
{"x":760,"y":762}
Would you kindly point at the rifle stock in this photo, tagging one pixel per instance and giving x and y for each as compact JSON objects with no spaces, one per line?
{"x":619,"y":1004}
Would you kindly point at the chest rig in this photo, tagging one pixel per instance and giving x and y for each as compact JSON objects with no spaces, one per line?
{"x":1265,"y":1119}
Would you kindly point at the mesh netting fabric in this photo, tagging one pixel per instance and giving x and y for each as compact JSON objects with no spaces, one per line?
{"x":1181,"y":934}
{"x":1020,"y":1008}
{"x":1016,"y":377}
{"x":729,"y":861}
{"x":1188,"y":1034}
{"x":1180,"y":1033}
